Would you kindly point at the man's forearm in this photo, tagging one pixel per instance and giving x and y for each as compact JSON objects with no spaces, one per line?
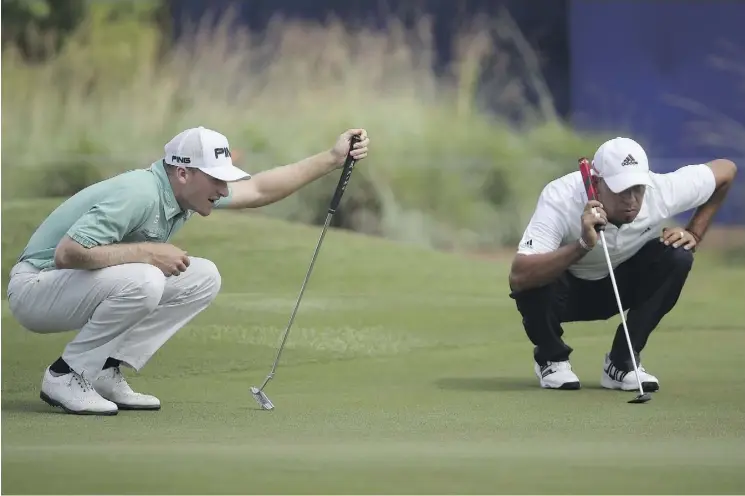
{"x":724,"y":174}
{"x":532,"y":271}
{"x":69,"y":256}
{"x":701,"y":219}
{"x":278,"y":183}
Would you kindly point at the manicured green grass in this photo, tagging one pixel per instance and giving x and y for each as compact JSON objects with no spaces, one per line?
{"x":407,"y":371}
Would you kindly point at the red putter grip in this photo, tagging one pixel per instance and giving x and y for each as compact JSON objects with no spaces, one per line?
{"x":584,"y":168}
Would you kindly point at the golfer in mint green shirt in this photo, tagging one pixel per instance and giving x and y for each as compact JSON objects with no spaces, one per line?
{"x":102,"y":263}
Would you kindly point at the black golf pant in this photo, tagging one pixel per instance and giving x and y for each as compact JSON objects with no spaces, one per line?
{"x":649,"y":284}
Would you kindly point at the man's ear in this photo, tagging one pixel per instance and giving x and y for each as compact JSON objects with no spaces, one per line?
{"x":181,"y":173}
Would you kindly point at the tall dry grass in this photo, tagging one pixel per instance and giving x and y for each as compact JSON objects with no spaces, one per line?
{"x":444,"y":170}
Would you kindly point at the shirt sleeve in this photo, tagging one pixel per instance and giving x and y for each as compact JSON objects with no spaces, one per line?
{"x":686,"y":188}
{"x":546,"y":228}
{"x":110,"y":220}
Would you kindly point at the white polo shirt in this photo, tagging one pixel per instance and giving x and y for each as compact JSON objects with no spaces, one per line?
{"x":557,"y":219}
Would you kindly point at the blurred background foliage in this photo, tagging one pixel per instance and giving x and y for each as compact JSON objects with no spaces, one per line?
{"x":91,"y":89}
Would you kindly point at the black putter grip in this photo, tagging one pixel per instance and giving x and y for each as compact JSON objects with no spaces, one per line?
{"x":346,"y":173}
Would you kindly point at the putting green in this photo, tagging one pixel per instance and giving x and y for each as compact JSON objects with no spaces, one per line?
{"x":407,"y":371}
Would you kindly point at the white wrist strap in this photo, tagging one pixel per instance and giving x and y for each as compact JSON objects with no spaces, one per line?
{"x":584,"y":245}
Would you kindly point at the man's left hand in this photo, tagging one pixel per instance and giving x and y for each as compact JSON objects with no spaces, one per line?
{"x":677,"y":236}
{"x":341,"y":148}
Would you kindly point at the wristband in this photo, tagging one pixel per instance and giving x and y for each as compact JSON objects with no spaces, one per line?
{"x":584,"y":245}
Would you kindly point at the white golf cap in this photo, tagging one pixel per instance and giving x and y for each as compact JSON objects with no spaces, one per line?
{"x":622,"y":163}
{"x":206,"y":150}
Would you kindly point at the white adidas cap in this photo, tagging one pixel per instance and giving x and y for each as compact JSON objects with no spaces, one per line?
{"x":206,"y":150}
{"x":622,"y":163}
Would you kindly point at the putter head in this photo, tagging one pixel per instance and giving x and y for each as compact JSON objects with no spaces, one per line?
{"x":262,"y":399}
{"x":642,"y":398}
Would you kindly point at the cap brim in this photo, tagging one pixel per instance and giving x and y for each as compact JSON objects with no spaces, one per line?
{"x":226,"y":173}
{"x":621,"y":182}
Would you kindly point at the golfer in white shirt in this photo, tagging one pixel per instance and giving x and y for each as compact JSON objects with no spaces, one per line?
{"x":559,"y":274}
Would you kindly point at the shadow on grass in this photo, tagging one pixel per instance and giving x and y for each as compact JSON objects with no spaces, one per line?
{"x":488,"y":383}
{"x":29,"y":406}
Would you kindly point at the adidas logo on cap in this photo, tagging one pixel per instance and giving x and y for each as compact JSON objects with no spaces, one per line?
{"x":629,"y":160}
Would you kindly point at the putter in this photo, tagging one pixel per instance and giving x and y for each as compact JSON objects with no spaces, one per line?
{"x":258,"y":393}
{"x":584,"y":167}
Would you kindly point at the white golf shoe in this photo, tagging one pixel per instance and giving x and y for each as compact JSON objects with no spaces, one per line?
{"x":615,"y":378}
{"x":74,"y":394}
{"x":112,"y":385}
{"x":556,"y":375}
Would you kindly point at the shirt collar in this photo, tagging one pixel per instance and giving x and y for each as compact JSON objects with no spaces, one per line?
{"x":170,"y":205}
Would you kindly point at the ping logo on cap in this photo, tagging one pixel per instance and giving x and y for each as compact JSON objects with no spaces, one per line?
{"x":180,"y":160}
{"x":222,"y":151}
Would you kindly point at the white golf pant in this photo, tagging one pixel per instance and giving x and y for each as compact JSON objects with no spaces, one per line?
{"x":126,"y":312}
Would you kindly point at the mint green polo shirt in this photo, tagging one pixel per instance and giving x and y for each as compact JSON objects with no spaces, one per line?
{"x":132,"y":207}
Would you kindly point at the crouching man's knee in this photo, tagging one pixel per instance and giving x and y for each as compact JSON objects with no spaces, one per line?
{"x":206,"y":276}
{"x":680,"y":261}
{"x":144,"y":282}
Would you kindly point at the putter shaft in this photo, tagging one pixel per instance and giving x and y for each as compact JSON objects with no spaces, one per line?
{"x":338,"y":192}
{"x":297,"y":302}
{"x":620,"y":311}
